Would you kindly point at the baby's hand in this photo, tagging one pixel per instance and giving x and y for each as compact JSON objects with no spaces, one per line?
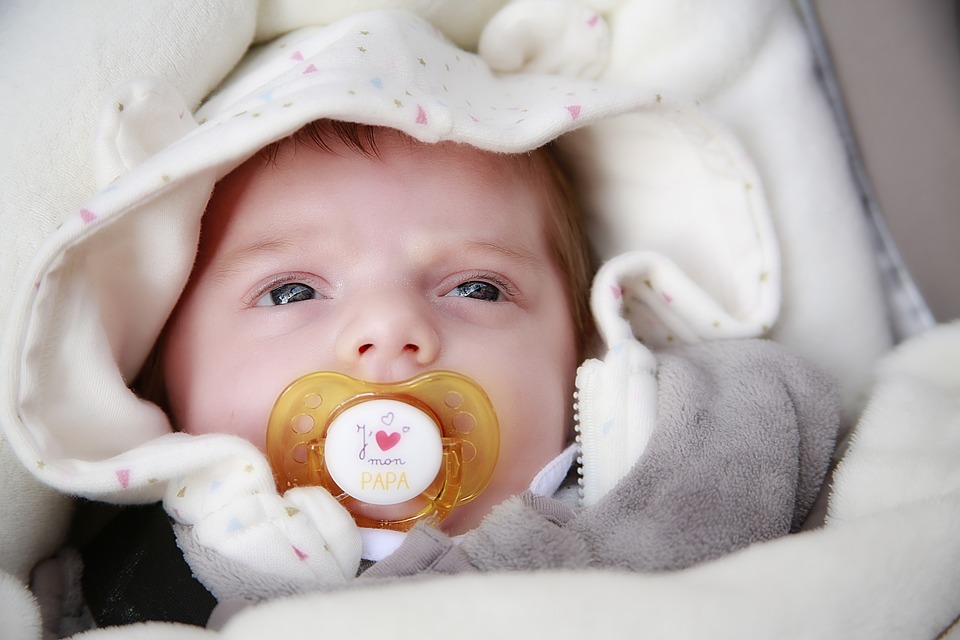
{"x":243,"y":540}
{"x":546,"y":36}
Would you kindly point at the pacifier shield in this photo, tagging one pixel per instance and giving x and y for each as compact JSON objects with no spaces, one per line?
{"x":414,"y":449}
{"x":383,"y":451}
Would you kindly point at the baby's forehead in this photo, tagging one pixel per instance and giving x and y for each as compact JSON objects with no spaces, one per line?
{"x":372,"y":147}
{"x":270,"y":186}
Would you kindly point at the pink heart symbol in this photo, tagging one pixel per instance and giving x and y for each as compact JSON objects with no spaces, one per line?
{"x":387,"y":419}
{"x":387,"y":441}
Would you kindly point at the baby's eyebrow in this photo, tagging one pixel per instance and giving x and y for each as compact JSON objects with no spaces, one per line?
{"x":232,"y":260}
{"x":515,"y":253}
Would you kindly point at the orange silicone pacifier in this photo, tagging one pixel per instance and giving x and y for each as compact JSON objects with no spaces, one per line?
{"x":393,"y":454}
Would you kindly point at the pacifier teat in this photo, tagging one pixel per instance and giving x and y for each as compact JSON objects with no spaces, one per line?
{"x":393,"y":453}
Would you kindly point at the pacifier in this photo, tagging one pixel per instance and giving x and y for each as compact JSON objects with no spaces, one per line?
{"x":393,"y":454}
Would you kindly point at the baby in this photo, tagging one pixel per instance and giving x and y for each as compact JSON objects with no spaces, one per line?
{"x":356,"y":249}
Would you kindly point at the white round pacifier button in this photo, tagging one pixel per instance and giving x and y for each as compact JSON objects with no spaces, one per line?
{"x":383,"y":451}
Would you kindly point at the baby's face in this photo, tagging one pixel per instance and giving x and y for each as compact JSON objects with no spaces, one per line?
{"x":429,"y":257}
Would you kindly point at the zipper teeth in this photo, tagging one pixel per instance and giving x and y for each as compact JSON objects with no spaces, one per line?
{"x":584,"y":418}
{"x":579,"y":442}
{"x":601,"y":455}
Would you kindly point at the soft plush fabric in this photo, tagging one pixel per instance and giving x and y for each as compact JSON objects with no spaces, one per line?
{"x":459,"y":21}
{"x":744,"y":436}
{"x":19,"y":610}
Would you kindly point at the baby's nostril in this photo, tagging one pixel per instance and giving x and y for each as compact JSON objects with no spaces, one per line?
{"x":407,"y":348}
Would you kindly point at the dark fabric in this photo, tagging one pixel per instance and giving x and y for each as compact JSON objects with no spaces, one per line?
{"x":134,"y":572}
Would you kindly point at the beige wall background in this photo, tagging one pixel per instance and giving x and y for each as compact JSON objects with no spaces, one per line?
{"x":898,"y":65}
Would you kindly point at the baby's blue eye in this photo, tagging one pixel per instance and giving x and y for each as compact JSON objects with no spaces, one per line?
{"x":287,"y":293}
{"x":478,"y":290}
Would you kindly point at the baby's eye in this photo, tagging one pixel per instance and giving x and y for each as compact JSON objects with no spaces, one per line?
{"x":478,"y":290}
{"x":287,"y":293}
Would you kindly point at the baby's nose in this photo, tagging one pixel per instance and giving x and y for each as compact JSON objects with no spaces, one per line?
{"x":388,"y":338}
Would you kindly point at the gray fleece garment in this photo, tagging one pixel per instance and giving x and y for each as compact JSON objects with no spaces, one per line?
{"x":744,"y":439}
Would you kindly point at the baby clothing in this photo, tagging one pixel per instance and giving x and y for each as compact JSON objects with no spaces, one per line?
{"x":745,"y":432}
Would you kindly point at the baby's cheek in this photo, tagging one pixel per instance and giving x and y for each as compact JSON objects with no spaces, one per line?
{"x":248,"y":410}
{"x":532,"y":433}
{"x":221,"y":396}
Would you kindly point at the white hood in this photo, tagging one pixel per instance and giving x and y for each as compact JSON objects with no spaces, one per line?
{"x":101,"y":288}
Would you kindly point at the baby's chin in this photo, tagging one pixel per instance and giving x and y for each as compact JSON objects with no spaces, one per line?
{"x":460,"y":520}
{"x":469,"y":515}
{"x":463,"y":519}
{"x":386,"y":512}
